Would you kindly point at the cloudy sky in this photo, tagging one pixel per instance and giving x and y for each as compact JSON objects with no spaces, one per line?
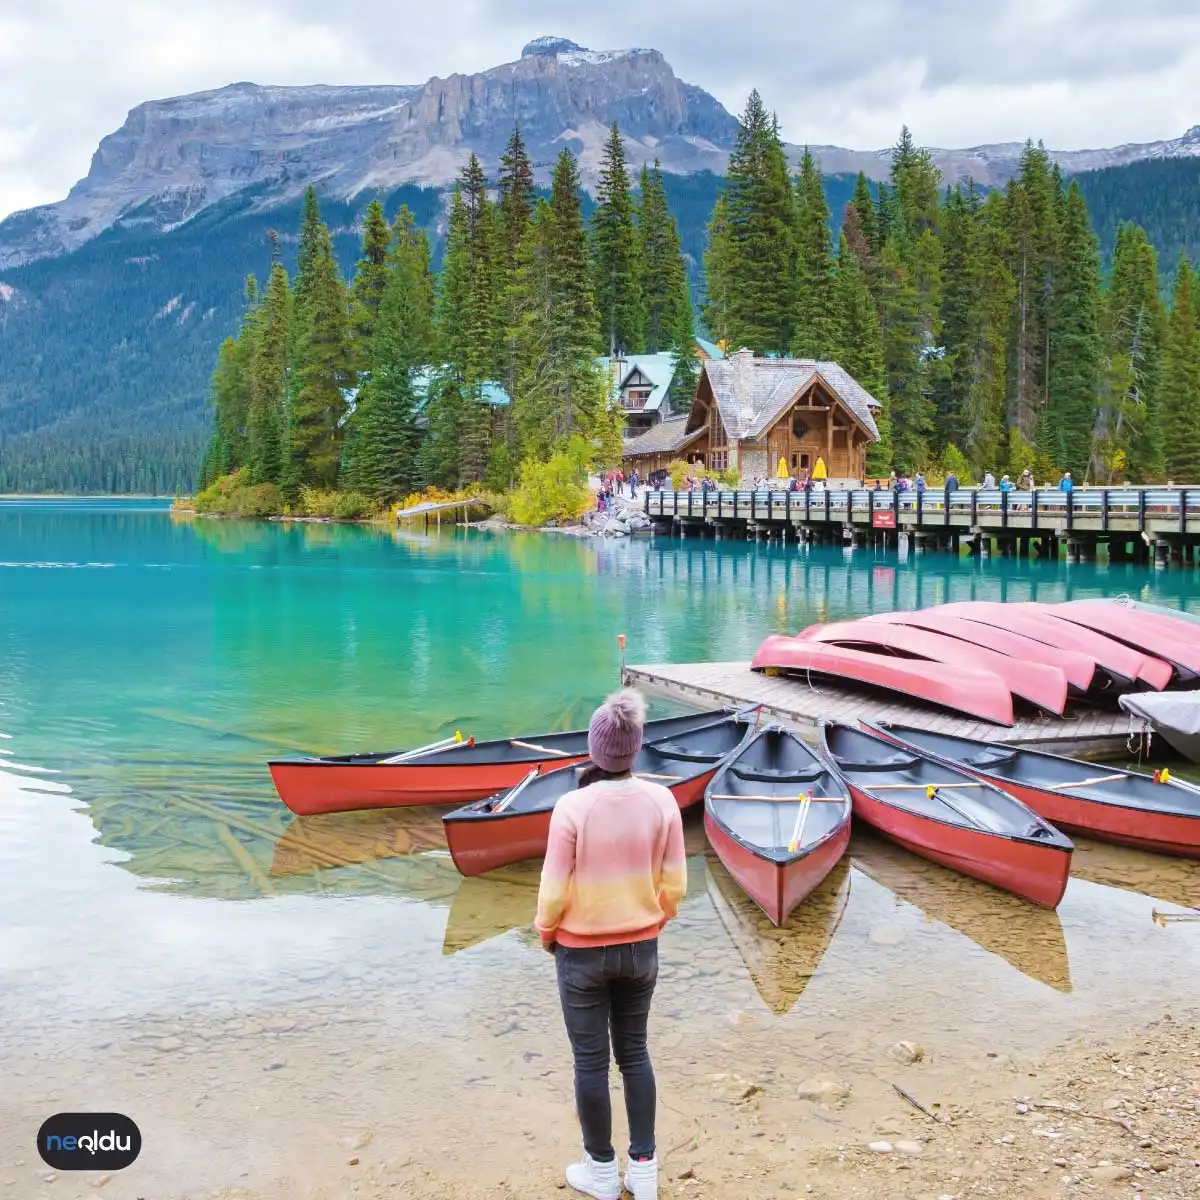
{"x":1077,"y":73}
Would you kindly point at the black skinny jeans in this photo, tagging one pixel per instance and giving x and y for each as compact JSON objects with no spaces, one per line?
{"x":603,"y":989}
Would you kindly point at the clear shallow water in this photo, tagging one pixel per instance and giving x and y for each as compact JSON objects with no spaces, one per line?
{"x":150,"y":665}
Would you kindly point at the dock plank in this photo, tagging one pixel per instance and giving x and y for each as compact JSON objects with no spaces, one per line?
{"x":806,"y":704}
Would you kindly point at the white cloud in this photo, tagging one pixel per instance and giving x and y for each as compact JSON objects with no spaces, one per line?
{"x":1074,"y":72}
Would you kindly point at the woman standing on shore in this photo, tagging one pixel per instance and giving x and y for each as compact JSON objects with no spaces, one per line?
{"x":614,"y":874}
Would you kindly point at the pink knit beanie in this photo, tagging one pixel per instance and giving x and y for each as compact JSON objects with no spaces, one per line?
{"x":615,"y":731}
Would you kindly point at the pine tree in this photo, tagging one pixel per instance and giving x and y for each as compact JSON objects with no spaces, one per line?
{"x":760,"y":219}
{"x":864,"y":207}
{"x":1181,"y":378}
{"x":860,"y":347}
{"x":311,"y":246}
{"x":1075,"y":345}
{"x":616,"y":281}
{"x":718,"y":274}
{"x":324,"y":368}
{"x":370,"y":280}
{"x":517,"y":198}
{"x":814,"y":335}
{"x":903,"y":355}
{"x":1129,"y":428}
{"x":269,"y":381}
{"x":560,"y":391}
{"x":916,"y":181}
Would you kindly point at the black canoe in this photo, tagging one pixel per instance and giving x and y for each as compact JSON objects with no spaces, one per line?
{"x":1096,"y":799}
{"x":514,"y":824}
{"x":753,"y":810}
{"x":944,"y":814}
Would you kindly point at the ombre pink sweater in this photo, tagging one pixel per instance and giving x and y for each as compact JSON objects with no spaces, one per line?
{"x":615,"y":869}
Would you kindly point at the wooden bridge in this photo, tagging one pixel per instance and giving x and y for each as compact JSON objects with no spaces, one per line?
{"x":1134,"y":523}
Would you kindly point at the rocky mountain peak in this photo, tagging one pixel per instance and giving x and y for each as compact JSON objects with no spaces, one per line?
{"x":549,"y":46}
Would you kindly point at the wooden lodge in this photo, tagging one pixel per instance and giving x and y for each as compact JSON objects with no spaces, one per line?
{"x":749,"y":413}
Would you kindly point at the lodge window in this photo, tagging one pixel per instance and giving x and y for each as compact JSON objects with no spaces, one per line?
{"x":718,"y":460}
{"x":637,"y":398}
{"x":800,"y":462}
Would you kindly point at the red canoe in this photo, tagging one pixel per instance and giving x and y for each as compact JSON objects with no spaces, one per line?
{"x":1127,"y":667}
{"x":776,"y":846}
{"x":451,"y":774}
{"x":966,"y":690}
{"x":1173,"y":641}
{"x":515,"y":824}
{"x":1094,"y":799}
{"x":1042,"y":685}
{"x":1080,"y":669}
{"x":943,"y":814}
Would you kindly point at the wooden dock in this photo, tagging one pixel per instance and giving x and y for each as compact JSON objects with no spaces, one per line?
{"x":793,"y":702}
{"x":435,"y":508}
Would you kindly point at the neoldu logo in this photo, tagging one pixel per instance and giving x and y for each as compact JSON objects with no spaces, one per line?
{"x":89,"y":1141}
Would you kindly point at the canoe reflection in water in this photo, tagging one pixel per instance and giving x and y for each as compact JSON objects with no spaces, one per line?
{"x":1155,"y":876}
{"x":1029,"y":937}
{"x":780,"y":959}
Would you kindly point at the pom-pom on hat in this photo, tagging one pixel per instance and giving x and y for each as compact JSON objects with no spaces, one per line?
{"x":615,"y":731}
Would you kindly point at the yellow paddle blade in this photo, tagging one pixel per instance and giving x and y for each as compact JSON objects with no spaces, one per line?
{"x":929,"y":792}
{"x":458,"y":737}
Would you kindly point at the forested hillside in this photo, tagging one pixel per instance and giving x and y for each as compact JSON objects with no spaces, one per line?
{"x":106,"y":354}
{"x":1161,"y":195}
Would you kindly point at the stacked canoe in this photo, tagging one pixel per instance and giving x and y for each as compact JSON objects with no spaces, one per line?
{"x":988,"y":660}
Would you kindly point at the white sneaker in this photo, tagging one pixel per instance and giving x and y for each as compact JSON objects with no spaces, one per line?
{"x":599,"y":1179}
{"x":642,"y":1179}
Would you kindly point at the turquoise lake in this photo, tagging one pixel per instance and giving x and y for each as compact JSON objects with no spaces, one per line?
{"x":151,"y":883}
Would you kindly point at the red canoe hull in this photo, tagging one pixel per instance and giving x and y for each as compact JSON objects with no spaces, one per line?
{"x":309,"y":788}
{"x":481,"y":844}
{"x":966,"y":689}
{"x":1080,"y":669}
{"x":1035,"y":873}
{"x":1161,"y":637}
{"x":1032,"y":621}
{"x":777,"y":888}
{"x":1042,"y":685}
{"x":1166,"y":833}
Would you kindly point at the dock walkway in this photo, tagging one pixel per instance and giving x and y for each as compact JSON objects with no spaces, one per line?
{"x":794,"y":702}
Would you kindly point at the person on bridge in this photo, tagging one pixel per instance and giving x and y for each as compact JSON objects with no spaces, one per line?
{"x":1006,"y":484}
{"x":1066,"y":484}
{"x":951,"y":482}
{"x":989,"y":481}
{"x":919,"y":483}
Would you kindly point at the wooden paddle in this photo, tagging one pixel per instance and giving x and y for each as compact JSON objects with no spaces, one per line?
{"x":1089,"y":782}
{"x":801,"y":821}
{"x":923,"y":787}
{"x":642,"y":775}
{"x":408,"y":755}
{"x":539,"y":749}
{"x":503,"y":804}
{"x":785,"y":799}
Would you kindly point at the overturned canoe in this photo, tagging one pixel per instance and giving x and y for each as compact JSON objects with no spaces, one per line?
{"x":1094,"y":799}
{"x":1041,"y":685}
{"x":450,"y":774}
{"x":1174,"y":641}
{"x":966,"y":690}
{"x":778,"y":819}
{"x":943,"y":814}
{"x":1127,"y":667}
{"x":515,"y":824}
{"x":1079,"y":669}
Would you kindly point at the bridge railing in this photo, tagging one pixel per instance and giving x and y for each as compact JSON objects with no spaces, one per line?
{"x":1051,"y":509}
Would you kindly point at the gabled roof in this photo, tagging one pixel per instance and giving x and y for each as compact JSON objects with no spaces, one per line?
{"x":659,"y":369}
{"x":752,"y":392}
{"x":666,"y":437}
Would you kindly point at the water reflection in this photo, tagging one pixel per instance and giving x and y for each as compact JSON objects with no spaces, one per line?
{"x":779,"y":960}
{"x":1029,"y":938}
{"x":1155,"y":876}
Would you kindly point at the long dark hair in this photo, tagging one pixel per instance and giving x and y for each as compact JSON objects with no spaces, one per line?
{"x":594,"y":774}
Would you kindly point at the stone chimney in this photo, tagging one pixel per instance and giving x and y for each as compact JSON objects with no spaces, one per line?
{"x":743,"y":382}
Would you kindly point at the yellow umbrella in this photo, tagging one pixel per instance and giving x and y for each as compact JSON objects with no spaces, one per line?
{"x":781,"y":471}
{"x":819,"y":471}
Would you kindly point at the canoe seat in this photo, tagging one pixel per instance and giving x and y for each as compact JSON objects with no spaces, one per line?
{"x":765,"y":775}
{"x":669,"y":751}
{"x":879,"y":764}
